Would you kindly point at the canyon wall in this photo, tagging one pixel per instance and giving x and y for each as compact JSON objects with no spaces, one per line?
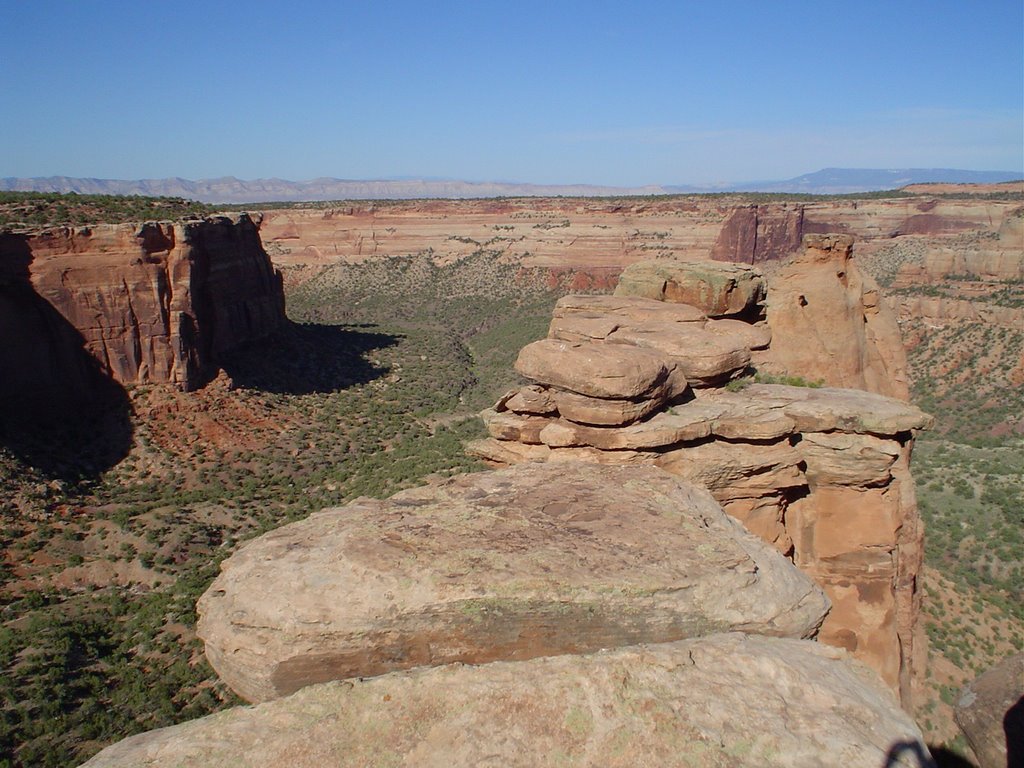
{"x":610,"y":234}
{"x":830,"y":323}
{"x":151,"y":303}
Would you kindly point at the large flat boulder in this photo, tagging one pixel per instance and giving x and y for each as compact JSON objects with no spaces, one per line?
{"x":537,"y":560}
{"x":724,"y":700}
{"x":705,"y":357}
{"x":594,"y":369}
{"x":828,"y":409}
{"x":736,"y":470}
{"x":628,"y":309}
{"x":717,"y":288}
{"x":664,"y":428}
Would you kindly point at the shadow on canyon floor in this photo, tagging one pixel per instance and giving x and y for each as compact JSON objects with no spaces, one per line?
{"x":304,"y":358}
{"x":77,"y":443}
{"x":60,"y":413}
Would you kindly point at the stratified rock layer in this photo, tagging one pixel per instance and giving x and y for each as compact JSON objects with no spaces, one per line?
{"x":717,"y":288}
{"x":151,"y":303}
{"x":533,"y":561}
{"x":820,"y":473}
{"x":724,"y":700}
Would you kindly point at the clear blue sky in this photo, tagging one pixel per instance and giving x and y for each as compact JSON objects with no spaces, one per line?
{"x":545,"y":92}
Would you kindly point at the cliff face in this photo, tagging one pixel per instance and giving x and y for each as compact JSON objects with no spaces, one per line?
{"x":155,"y":303}
{"x":756,"y":233}
{"x":584,"y":235}
{"x":830,"y":323}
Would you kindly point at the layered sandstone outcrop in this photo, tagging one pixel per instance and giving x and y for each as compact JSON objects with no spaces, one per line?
{"x":723,"y":700}
{"x":152,"y":303}
{"x":537,"y":560}
{"x":822,"y":474}
{"x":601,"y":237}
{"x":720,"y":290}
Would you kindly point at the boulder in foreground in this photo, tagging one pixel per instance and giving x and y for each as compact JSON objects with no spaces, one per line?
{"x":724,"y":700}
{"x":990,"y":712}
{"x":536,"y":560}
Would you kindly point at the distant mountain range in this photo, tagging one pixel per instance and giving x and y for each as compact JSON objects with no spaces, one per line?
{"x":228,"y":189}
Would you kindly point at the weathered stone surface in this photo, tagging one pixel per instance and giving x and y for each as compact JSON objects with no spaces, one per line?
{"x":478,"y":569}
{"x":591,"y":455}
{"x":627,"y":310}
{"x":742,"y":417}
{"x":862,"y":545}
{"x":990,"y":712}
{"x":828,"y":324}
{"x":581,"y":327}
{"x":510,"y":426}
{"x":704,"y":357}
{"x":157,"y":302}
{"x":716,"y":288}
{"x":691,"y":422}
{"x":828,"y":409}
{"x":595,"y":410}
{"x":593,"y":369}
{"x":764,"y":515}
{"x":506,"y":453}
{"x":736,"y":470}
{"x":838,"y":458}
{"x":530,"y":399}
{"x":725,"y":700}
{"x":757,"y":336}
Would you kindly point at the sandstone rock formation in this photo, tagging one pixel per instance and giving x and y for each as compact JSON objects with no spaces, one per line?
{"x":822,"y":474}
{"x":829,"y":323}
{"x":156,"y":303}
{"x":724,"y":700}
{"x":718,"y":289}
{"x":990,"y":712}
{"x":532,"y":561}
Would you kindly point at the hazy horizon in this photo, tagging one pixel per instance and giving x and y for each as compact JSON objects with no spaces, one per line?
{"x":661,"y":93}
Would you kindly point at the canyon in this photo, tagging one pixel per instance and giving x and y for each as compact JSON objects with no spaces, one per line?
{"x":810,"y":454}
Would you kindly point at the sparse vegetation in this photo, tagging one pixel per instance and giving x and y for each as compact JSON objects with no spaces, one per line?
{"x":51,"y":209}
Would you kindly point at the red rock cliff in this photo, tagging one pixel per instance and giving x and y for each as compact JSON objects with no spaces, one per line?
{"x":152,"y":303}
{"x":756,"y":233}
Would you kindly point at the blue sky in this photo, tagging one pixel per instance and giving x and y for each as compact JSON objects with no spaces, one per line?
{"x":545,"y":92}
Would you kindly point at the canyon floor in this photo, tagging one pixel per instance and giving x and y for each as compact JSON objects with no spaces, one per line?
{"x":405,"y":323}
